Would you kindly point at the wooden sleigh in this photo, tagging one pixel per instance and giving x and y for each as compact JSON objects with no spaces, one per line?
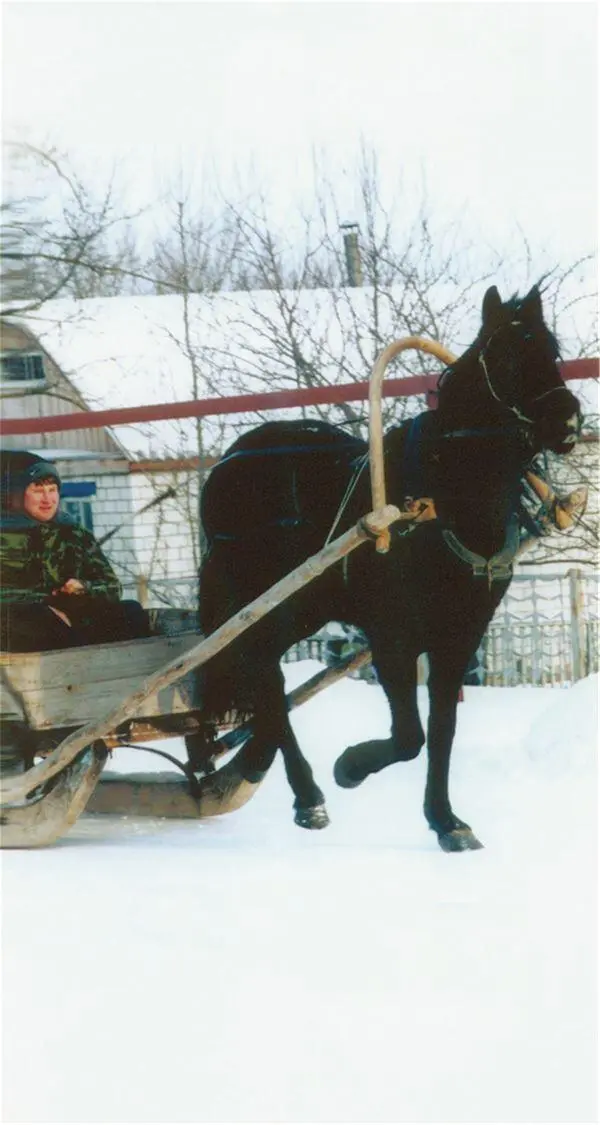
{"x":74,"y":706}
{"x":100,"y":696}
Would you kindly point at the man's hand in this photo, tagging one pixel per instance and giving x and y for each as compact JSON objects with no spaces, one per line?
{"x":71,"y":586}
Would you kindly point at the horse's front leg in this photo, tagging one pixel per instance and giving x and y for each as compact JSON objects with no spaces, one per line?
{"x":446,"y":675}
{"x":397,"y":674}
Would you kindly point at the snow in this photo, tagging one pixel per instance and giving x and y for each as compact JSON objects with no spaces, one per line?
{"x":242,"y":969}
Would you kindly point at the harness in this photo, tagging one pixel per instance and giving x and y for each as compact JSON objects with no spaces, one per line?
{"x":499,"y":566}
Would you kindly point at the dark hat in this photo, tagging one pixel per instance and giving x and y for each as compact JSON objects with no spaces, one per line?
{"x":18,"y":469}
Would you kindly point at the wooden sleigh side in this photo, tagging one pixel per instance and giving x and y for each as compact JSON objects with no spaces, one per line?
{"x":48,"y":692}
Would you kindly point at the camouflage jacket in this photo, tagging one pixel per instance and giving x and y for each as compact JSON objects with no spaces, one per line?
{"x":37,"y":558}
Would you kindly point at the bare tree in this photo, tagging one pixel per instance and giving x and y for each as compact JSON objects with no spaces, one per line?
{"x":59,"y":238}
{"x":416,"y":280}
{"x":197,"y":254}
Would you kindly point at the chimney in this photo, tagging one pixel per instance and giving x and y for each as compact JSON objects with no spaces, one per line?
{"x":352,"y":252}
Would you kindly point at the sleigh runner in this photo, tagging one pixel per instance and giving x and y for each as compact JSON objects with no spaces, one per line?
{"x":75,"y":706}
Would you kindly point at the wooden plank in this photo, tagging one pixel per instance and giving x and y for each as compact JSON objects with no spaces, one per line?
{"x":75,"y":705}
{"x":10,"y":703}
{"x":104,"y":663}
{"x":72,"y":687}
{"x":16,"y":788}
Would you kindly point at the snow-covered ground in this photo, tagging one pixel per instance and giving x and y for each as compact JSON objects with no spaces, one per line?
{"x":242,"y":969}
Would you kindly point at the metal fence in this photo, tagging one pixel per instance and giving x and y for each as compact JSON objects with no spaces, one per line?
{"x":545,"y":631}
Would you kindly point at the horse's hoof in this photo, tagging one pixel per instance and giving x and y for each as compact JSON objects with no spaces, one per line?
{"x":357,"y":762}
{"x":344,"y":776}
{"x":459,"y":840}
{"x":314,"y":817}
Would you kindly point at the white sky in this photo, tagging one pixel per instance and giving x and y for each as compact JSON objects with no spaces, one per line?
{"x":494,"y":103}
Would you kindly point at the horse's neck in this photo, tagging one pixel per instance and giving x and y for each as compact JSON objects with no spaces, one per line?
{"x":472,"y":472}
{"x":478,"y":486}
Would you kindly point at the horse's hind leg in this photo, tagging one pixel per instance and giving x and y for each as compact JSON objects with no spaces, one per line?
{"x":272,"y":731}
{"x":309,"y":802}
{"x":446,"y":673}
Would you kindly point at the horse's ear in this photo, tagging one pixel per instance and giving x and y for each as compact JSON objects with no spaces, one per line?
{"x":492,"y":304}
{"x":532,"y":302}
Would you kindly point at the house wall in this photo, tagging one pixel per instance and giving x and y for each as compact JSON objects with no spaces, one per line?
{"x":58,"y":397}
{"x":165,"y":539}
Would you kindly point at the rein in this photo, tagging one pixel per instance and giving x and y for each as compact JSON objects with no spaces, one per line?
{"x":361,"y":464}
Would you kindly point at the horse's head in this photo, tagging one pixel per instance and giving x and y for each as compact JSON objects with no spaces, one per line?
{"x":515,"y":373}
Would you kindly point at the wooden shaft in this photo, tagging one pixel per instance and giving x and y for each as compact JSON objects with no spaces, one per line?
{"x":417,"y":343}
{"x":326,"y":678}
{"x":17,"y":788}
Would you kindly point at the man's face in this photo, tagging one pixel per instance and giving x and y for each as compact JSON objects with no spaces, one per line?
{"x":41,"y":500}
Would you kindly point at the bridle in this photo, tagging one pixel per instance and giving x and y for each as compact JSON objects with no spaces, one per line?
{"x":481,"y":359}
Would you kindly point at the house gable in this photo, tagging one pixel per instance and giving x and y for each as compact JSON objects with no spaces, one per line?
{"x":33,"y":385}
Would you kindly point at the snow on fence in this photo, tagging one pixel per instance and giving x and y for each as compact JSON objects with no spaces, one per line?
{"x":545,"y":631}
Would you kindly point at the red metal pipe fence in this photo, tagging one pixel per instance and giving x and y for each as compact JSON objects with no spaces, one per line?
{"x":238,"y":404}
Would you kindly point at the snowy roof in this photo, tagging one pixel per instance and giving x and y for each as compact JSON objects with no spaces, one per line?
{"x":131,"y":351}
{"x":137,"y":350}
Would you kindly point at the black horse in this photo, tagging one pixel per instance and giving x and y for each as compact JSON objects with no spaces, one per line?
{"x":282,"y":490}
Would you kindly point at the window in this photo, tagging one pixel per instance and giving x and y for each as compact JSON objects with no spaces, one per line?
{"x":76,"y":500}
{"x":19,"y":367}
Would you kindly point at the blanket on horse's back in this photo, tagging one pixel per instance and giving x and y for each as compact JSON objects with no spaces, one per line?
{"x":287,"y":463}
{"x":284,"y":489}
